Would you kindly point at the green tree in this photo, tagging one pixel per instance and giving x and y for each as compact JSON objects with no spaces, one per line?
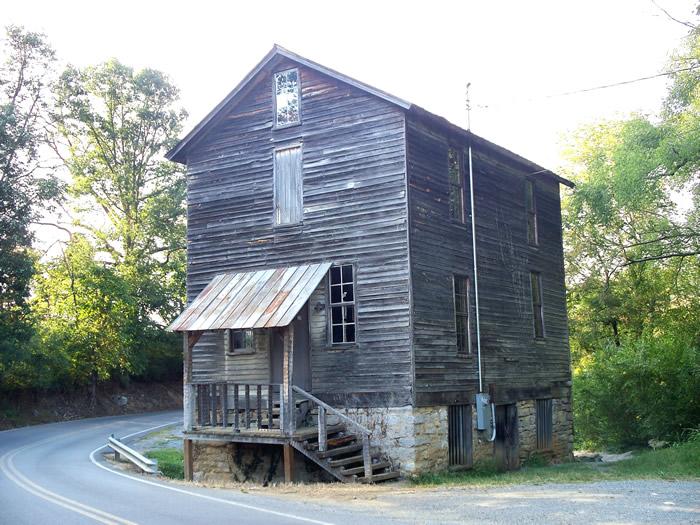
{"x":117,"y":123}
{"x":86,"y":311}
{"x":25,"y":71}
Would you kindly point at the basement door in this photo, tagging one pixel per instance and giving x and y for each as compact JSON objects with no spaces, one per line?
{"x":506,"y":450}
{"x":301,"y":368}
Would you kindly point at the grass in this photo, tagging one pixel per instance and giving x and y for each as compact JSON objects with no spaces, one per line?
{"x":170,"y":462}
{"x":680,"y":461}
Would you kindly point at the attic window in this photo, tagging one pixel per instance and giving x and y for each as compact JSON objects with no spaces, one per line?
{"x":286,"y":96}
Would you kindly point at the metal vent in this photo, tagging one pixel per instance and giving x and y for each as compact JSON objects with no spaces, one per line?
{"x":543,"y":417}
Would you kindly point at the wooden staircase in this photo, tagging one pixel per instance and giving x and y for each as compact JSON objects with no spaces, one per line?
{"x":343,"y":450}
{"x":343,"y":456}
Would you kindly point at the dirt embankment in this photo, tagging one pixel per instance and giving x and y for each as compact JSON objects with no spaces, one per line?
{"x":32,"y":408}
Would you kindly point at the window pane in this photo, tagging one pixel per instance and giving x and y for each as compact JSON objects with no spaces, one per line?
{"x":336,"y":315}
{"x":336,"y":294}
{"x":347,"y":273}
{"x":338,"y":334}
{"x":287,"y":97}
{"x":350,"y":333}
{"x":532,"y":228}
{"x":348,"y":295}
{"x":349,"y":314}
{"x":530,"y":196}
{"x":335,"y":275}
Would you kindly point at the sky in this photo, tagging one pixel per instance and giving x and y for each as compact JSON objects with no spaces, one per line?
{"x":515,"y":54}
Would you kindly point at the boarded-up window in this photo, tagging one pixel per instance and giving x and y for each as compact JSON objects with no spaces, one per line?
{"x":456,"y":181}
{"x":543,"y":418}
{"x":537,"y":309}
{"x":531,"y":207}
{"x":459,"y":434}
{"x":342,"y":303}
{"x":462,"y":314}
{"x":289,"y":186}
{"x":286,"y":97}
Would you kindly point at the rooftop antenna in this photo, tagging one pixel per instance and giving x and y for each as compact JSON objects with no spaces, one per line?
{"x":469,"y":108}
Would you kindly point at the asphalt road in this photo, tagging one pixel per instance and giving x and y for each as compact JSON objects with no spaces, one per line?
{"x":56,"y":474}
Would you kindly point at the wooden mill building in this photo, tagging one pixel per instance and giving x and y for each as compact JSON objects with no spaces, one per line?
{"x":332,"y":295}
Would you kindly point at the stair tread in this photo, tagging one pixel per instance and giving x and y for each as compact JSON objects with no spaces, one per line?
{"x":361,"y":468}
{"x":340,"y":450}
{"x":384,"y":476}
{"x":334,"y":442}
{"x":345,"y":461}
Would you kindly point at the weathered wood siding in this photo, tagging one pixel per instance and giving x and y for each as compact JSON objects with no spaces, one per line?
{"x":354,"y":211}
{"x":518,"y":364}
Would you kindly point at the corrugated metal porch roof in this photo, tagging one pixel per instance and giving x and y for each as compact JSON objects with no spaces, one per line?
{"x":259,"y":299}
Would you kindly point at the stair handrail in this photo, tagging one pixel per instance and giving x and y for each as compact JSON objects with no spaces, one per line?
{"x":332,"y":410}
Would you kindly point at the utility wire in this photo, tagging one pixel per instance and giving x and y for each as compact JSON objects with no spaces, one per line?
{"x":597,"y":88}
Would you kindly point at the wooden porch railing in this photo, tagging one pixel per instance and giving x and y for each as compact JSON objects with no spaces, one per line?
{"x":323,"y":410}
{"x":239,"y":406}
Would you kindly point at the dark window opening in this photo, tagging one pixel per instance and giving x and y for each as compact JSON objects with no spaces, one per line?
{"x":543,"y":419}
{"x":237,"y":341}
{"x":456,"y":182}
{"x":289,"y":186}
{"x":462,"y":289}
{"x":459,"y":434}
{"x":531,"y":207}
{"x":286,"y":97}
{"x":537,"y":309}
{"x":342,"y":304}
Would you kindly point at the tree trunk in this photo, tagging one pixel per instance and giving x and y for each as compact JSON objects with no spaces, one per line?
{"x":93,"y":392}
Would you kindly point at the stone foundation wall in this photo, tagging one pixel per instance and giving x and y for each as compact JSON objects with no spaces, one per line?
{"x":216,"y":463}
{"x":562,"y":430}
{"x":414,"y":439}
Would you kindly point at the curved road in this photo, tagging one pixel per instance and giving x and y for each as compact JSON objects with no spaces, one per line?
{"x":47,"y":475}
{"x":55,"y":474}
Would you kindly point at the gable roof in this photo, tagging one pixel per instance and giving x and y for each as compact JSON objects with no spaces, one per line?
{"x":177,"y":153}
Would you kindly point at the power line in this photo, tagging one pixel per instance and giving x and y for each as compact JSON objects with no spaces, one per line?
{"x":597,"y":88}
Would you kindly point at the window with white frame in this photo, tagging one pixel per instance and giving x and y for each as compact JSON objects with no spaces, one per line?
{"x":343,"y":322}
{"x":286,"y":98}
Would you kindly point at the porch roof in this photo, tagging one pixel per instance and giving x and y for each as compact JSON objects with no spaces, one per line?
{"x":260,"y":299}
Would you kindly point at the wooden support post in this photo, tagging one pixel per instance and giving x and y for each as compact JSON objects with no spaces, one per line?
{"x":366,"y":457}
{"x":187,"y":390}
{"x":322,"y":435}
{"x":287,"y":371}
{"x":247,"y":406}
{"x":258,"y":394}
{"x":212,"y":404}
{"x":288,"y":463}
{"x":236,"y":423}
{"x":188,"y":459}
{"x":270,"y":409}
{"x":224,"y":405}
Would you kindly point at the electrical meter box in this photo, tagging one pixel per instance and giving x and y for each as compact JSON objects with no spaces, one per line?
{"x":483,"y":412}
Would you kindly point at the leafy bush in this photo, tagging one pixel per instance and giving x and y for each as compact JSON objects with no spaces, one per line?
{"x":627,"y":395}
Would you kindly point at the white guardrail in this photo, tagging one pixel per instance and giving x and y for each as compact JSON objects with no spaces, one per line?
{"x":120,"y":449}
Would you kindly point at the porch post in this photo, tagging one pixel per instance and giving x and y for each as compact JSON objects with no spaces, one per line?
{"x":287,"y":370}
{"x":189,"y":339}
